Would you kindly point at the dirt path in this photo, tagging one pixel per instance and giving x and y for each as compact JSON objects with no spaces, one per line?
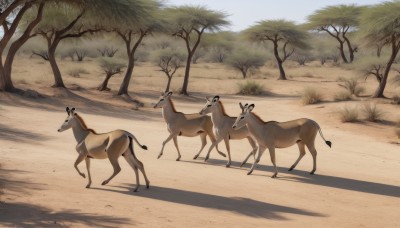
{"x":357,"y":183}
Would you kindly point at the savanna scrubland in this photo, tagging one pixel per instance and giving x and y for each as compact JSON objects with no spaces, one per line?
{"x":356,"y":182}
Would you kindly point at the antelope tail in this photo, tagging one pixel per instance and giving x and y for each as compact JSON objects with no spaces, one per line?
{"x":131,"y":136}
{"x":329,"y":143}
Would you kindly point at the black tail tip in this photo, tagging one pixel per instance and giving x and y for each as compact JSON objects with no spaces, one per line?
{"x":329,"y":143}
{"x":144,"y":147}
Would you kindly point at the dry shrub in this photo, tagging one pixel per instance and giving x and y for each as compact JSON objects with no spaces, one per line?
{"x":310,"y":96}
{"x":372,"y":112}
{"x":76,"y":72}
{"x":351,"y":85}
{"x":250,"y":88}
{"x":349,"y":114}
{"x":397,"y":132}
{"x":342,"y":96}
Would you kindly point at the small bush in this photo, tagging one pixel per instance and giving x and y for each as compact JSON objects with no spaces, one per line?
{"x":342,"y":96}
{"x":351,"y":85}
{"x":76,"y":72}
{"x":348,"y":114}
{"x":371,"y":112}
{"x":311,"y":96}
{"x":397,"y":132}
{"x":250,"y":88}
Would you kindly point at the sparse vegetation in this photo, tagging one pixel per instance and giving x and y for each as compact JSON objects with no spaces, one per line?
{"x":311,"y":96}
{"x":245,"y":61}
{"x":352,"y":85}
{"x":76,"y":72}
{"x":250,"y":88}
{"x":342,"y":96}
{"x":349,"y":114}
{"x":372,"y":112}
{"x":111,"y":67}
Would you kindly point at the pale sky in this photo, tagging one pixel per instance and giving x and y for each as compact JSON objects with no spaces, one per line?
{"x":245,"y":13}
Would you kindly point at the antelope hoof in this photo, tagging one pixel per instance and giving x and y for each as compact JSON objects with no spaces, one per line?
{"x":148,"y":185}
{"x":291,"y":168}
{"x":205,"y":159}
{"x":136,"y":189}
{"x":179,"y":158}
{"x":228,"y":165}
{"x":274,"y":176}
{"x":312,"y":172}
{"x":248,"y":173}
{"x":88,"y":186}
{"x":195,"y":157}
{"x":242,"y":164}
{"x":258,"y":160}
{"x":104,"y":182}
{"x":222,"y":154}
{"x":82,"y":175}
{"x":159,"y":156}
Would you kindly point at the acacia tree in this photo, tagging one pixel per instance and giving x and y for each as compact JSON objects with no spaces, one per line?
{"x":111,"y":67}
{"x":189,"y":23}
{"x":338,"y":21}
{"x":380,"y":24}
{"x":133,"y":33}
{"x":285,"y":37}
{"x":245,"y":61}
{"x":12,"y":12}
{"x":11,"y":15}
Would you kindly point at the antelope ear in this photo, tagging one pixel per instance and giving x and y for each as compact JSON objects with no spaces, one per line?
{"x":72,"y":111}
{"x":67,"y":110}
{"x":169,"y":93}
{"x":250,"y":107}
{"x":215,"y":99}
{"x":241,"y":106}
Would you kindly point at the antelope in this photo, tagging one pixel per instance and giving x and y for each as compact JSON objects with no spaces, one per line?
{"x":223,"y":128}
{"x":109,"y":145}
{"x":274,"y":134}
{"x":180,"y":124}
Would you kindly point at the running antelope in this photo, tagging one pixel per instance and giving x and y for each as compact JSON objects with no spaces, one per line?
{"x":273,"y":135}
{"x":109,"y":145}
{"x":223,"y":128}
{"x":180,"y":124}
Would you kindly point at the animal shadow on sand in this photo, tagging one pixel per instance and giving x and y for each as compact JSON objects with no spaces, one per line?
{"x":239,"y":205}
{"x":18,"y":214}
{"x":316,"y":179}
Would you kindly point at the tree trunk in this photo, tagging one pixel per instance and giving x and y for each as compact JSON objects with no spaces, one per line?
{"x":351,"y":51}
{"x":103,"y":86}
{"x":342,"y":54}
{"x":58,"y":81}
{"x":382,"y":84}
{"x":129,"y":70}
{"x":282,"y":74}
{"x":244,"y":73}
{"x":168,"y":84}
{"x":187,"y":71}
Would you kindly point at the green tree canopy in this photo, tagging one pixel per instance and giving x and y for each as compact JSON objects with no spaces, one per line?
{"x":381,"y":24}
{"x":285,"y":36}
{"x":189,"y":23}
{"x":337,"y":21}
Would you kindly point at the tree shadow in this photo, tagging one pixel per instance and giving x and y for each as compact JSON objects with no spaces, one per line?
{"x":16,"y":214}
{"x":29,"y":215}
{"x":316,"y":179}
{"x":17,"y":135}
{"x":239,"y":205}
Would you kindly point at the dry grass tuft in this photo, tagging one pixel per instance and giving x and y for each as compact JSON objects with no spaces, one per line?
{"x":76,"y":72}
{"x":342,"y":96}
{"x":349,"y":114}
{"x":310,"y":96}
{"x":352,"y":85}
{"x":250,"y":88}
{"x":372,"y":112}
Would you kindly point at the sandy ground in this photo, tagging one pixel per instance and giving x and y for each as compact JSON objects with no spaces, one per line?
{"x":357,"y":183}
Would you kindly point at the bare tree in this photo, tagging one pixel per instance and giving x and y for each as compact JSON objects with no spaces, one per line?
{"x":169,"y":60}
{"x":111,"y":67}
